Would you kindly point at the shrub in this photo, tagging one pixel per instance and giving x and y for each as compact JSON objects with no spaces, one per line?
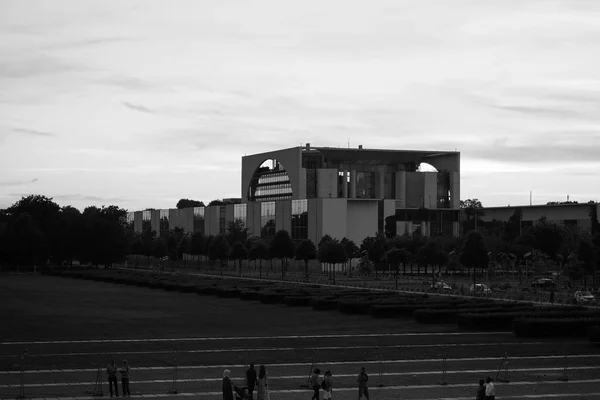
{"x":228,"y":292}
{"x":324,"y":303}
{"x":271,"y":298}
{"x":297,"y":301}
{"x":206,"y":290}
{"x":357,"y":306}
{"x":250,"y":295}
{"x":504,"y":320}
{"x":448,"y":316}
{"x":546,"y":327}
{"x":595,"y":334}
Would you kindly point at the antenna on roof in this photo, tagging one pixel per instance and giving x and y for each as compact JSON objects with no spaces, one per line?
{"x":348,"y":142}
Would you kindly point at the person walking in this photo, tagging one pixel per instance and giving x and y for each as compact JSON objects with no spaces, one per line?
{"x":251,"y":380}
{"x":111,"y":371}
{"x":125,"y":378}
{"x":362,"y":380}
{"x":227,"y":385}
{"x":315,"y":384}
{"x":262,"y":392}
{"x":481,"y":390}
{"x":327,"y":385}
{"x":490,"y":390}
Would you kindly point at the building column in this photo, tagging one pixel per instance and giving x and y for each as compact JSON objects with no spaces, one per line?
{"x":401,"y":188}
{"x":353,"y":184}
{"x":381,"y":183}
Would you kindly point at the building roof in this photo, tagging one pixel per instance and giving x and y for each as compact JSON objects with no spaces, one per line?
{"x":377,"y":156}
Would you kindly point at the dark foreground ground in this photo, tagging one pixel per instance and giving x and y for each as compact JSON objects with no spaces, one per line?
{"x":80,"y":325}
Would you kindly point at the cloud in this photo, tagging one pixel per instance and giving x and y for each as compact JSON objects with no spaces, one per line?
{"x":34,"y":180}
{"x":34,"y":132}
{"x":86,"y":43}
{"x":80,"y":197}
{"x":137,"y":107}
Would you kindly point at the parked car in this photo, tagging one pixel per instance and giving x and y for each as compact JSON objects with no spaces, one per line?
{"x":584,"y":297}
{"x":543,"y":283}
{"x":479,"y":288}
{"x":441,"y":286}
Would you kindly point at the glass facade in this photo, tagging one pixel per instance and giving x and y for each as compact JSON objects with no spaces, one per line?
{"x":146,"y":220}
{"x":270,"y":182}
{"x":199,"y":219}
{"x":164,"y":222}
{"x":267,"y":219}
{"x":299,"y":219}
{"x":443,"y":190}
{"x":222,"y":220}
{"x":239,"y":213}
{"x":365,"y":182}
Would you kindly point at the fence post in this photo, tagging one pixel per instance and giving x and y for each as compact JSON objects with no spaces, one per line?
{"x":310,"y":371}
{"x":175,"y":371}
{"x":22,"y":376}
{"x":444,"y":381}
{"x":503,"y":364}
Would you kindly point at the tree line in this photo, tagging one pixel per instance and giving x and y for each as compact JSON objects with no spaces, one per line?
{"x":36,"y":230}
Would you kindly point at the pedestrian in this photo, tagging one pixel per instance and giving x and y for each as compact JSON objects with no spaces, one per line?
{"x":251,"y":380}
{"x":490,"y":390}
{"x":327,"y":385}
{"x":315,"y":384}
{"x":125,"y":378}
{"x":481,"y":390}
{"x":262,"y":392}
{"x":111,"y":371}
{"x":362,"y":380}
{"x":227,"y":385}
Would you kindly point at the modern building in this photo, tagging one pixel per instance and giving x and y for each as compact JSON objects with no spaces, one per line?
{"x":343,"y":192}
{"x":575,"y":216}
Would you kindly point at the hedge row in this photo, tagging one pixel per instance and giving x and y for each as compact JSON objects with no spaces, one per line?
{"x":546,"y":327}
{"x":504,"y":320}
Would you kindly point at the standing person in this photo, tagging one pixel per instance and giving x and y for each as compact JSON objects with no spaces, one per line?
{"x":125,"y":378}
{"x":362,"y":380}
{"x":262,"y":393}
{"x":111,"y":371}
{"x":490,"y":390}
{"x":481,"y":390}
{"x":251,"y":380}
{"x":315,"y":384}
{"x":227,"y":385}
{"x":327,"y":385}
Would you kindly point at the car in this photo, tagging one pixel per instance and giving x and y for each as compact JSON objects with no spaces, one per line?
{"x":543,"y":283}
{"x":479,"y":288}
{"x":584,"y":297}
{"x":441,"y":286}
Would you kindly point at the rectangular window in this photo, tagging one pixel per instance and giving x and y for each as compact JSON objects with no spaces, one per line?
{"x":300,"y":219}
{"x":239,"y":213}
{"x":267,"y":219}
{"x":222,"y":220}
{"x":146,"y":220}
{"x":199,"y":220}
{"x":365,"y":185}
{"x":164,"y":222}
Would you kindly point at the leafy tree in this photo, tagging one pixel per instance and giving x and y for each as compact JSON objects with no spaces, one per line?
{"x":187,"y":203}
{"x":197,"y":244}
{"x":587,"y":255}
{"x":472,"y":208}
{"x":107,"y":238}
{"x":432,"y":254}
{"x":306,"y":251}
{"x":393,"y":256}
{"x":69,"y":234}
{"x":282,"y":247}
{"x":174,"y":240}
{"x":206,"y":247}
{"x":23,"y":241}
{"x":512,"y":228}
{"x":474,"y":253}
{"x":377,"y":250}
{"x":161,"y":249}
{"x":595,"y":226}
{"x":548,"y":237}
{"x":352,"y":250}
{"x":147,"y":239}
{"x":332,"y":252}
{"x":259,"y":251}
{"x":236,"y":232}
{"x":238,"y":252}
{"x":219,"y":250}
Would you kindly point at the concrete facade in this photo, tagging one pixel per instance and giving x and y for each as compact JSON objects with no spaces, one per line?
{"x":340,"y":192}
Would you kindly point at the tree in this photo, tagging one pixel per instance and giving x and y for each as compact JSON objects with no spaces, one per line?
{"x":548,"y":237}
{"x":107,"y":237}
{"x":24,"y":242}
{"x":238,"y":252}
{"x":393,"y":256}
{"x":432,"y":254}
{"x":306,"y":251}
{"x":69,"y":234}
{"x":259,"y":251}
{"x":174,"y":240}
{"x":187,"y":203}
{"x":377,"y":250}
{"x":332,"y":252}
{"x":586,"y":255}
{"x":282,"y":247}
{"x":512,"y":228}
{"x":472,"y":208}
{"x":474,"y":253}
{"x":595,"y":225}
{"x":236,"y":232}
{"x":161,"y":249}
{"x":219,"y":250}
{"x":352,"y":250}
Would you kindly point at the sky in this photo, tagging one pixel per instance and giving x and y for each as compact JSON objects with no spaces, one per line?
{"x":139,"y":103}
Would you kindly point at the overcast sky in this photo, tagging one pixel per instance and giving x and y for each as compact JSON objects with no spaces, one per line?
{"x":139,"y":103}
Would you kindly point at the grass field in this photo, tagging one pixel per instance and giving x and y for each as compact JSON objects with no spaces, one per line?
{"x":156,"y":329}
